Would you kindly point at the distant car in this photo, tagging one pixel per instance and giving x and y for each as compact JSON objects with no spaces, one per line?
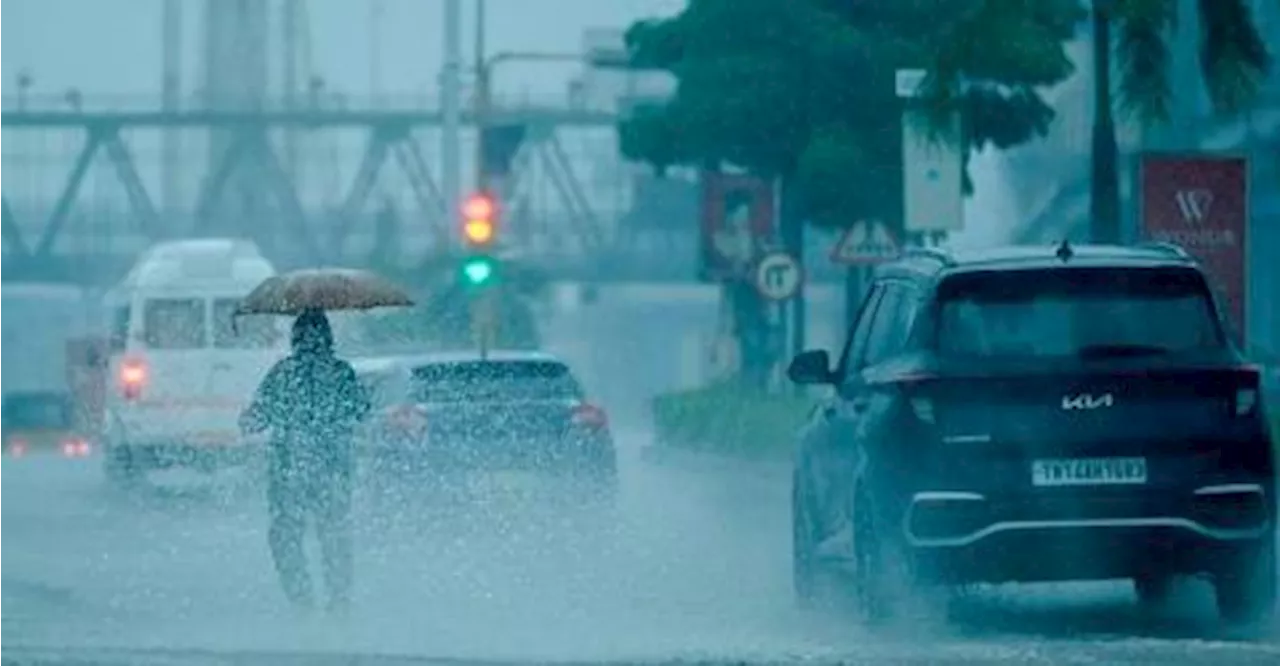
{"x":41,"y":423}
{"x":1024,"y":415}
{"x":511,"y":410}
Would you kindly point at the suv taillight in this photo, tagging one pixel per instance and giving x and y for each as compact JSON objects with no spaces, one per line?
{"x":133,"y":377}
{"x":589,"y":416}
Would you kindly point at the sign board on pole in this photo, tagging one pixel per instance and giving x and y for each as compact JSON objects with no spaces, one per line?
{"x":1201,"y":203}
{"x":778,"y":276}
{"x":736,"y":220}
{"x":866,"y":242}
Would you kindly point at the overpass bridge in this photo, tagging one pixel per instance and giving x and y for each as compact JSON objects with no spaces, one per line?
{"x":560,"y":227}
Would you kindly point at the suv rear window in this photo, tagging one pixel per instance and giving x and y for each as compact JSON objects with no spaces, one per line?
{"x":174,"y":323}
{"x":494,"y":380}
{"x":1076,"y":312}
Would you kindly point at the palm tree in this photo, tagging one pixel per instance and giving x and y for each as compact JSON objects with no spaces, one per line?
{"x":1136,"y":34}
{"x":1135,"y":37}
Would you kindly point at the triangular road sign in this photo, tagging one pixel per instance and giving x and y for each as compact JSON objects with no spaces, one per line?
{"x":866,"y":242}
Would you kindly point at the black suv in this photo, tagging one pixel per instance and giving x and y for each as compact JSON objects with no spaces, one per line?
{"x":1025,"y":414}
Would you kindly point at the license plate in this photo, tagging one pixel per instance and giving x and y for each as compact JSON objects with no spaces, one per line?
{"x":1089,"y":472}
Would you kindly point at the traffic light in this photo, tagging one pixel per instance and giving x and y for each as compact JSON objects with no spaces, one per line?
{"x":480,"y":270}
{"x":478,"y":221}
{"x":479,"y":234}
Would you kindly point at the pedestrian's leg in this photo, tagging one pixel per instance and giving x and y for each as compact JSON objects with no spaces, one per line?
{"x":285,"y":534}
{"x":333,"y":524}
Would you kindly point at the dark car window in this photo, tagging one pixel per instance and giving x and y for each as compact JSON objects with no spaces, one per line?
{"x":174,"y":323}
{"x":892,"y":325}
{"x":35,"y":411}
{"x":1076,"y":312}
{"x":856,"y":344}
{"x":494,"y":380}
{"x":385,"y":388}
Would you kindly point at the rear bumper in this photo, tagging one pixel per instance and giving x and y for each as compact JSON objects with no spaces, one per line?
{"x":567,"y":454}
{"x":166,"y":453}
{"x":966,"y":537}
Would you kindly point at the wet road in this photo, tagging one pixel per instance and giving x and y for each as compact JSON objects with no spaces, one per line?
{"x":692,"y":564}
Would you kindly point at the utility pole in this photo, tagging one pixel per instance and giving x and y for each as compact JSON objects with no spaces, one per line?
{"x":171,"y":92}
{"x":289,"y":75}
{"x":450,"y":85}
{"x":376,"y":11}
{"x":481,"y":95}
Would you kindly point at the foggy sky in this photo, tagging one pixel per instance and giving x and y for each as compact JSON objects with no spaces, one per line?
{"x":113,"y":47}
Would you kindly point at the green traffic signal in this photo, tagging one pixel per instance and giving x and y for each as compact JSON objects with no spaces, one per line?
{"x":479,"y":271}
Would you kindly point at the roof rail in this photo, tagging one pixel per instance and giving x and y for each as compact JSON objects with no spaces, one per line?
{"x":1172,"y":249}
{"x":935,"y":253}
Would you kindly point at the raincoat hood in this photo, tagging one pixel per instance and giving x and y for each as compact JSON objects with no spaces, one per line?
{"x":312,"y":333}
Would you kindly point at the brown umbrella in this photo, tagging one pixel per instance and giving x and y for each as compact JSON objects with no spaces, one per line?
{"x":323,"y":289}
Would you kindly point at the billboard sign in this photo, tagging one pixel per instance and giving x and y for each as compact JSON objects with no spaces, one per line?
{"x":736,"y":224}
{"x":1201,"y":203}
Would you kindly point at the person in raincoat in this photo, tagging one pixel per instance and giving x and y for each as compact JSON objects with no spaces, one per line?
{"x":311,"y":402}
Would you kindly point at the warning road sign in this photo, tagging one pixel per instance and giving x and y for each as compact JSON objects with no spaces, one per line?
{"x":778,"y":276}
{"x":866,"y":242}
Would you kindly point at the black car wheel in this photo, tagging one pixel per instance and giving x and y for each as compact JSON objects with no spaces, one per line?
{"x":869,"y":567}
{"x":1245,"y":585}
{"x":120,"y":466}
{"x":804,"y":564}
{"x":1152,"y":589}
{"x":882,"y":573}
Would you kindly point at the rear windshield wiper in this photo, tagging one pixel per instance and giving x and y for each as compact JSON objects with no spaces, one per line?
{"x":1120,"y":351}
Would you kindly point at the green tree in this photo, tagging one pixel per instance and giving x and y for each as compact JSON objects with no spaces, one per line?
{"x":804,"y":90}
{"x":1133,"y":37}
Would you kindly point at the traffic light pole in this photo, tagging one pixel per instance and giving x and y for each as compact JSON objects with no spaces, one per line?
{"x":484,"y":301}
{"x":484,"y":320}
{"x":484,"y":85}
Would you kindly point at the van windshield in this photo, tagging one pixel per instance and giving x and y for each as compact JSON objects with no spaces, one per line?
{"x":174,"y":323}
{"x":244,"y":332}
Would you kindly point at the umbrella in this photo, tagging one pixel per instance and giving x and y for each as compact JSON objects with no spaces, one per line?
{"x":322,"y":289}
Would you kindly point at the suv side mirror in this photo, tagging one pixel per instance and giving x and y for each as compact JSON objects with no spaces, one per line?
{"x":810,"y":367}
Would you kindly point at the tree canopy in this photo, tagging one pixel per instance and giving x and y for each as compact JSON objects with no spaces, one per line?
{"x":804,"y":89}
{"x":1233,"y":56}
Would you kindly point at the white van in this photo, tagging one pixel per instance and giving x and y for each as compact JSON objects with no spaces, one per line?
{"x":183,"y":368}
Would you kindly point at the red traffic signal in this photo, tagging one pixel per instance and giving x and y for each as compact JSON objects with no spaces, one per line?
{"x":478,"y":223}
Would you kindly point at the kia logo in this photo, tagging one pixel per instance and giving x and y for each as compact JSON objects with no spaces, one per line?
{"x":1087,"y":401}
{"x":1194,"y":204}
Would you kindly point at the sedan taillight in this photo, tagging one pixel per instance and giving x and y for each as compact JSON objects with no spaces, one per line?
{"x":586,"y":415}
{"x":406,"y":421}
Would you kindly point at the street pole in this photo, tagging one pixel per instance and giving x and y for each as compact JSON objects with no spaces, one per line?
{"x":482,"y":95}
{"x":450,"y":85}
{"x":171,"y":89}
{"x":484,"y":306}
